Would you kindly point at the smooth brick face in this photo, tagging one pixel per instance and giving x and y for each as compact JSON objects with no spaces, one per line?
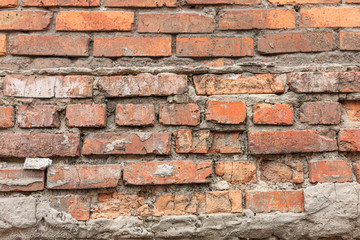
{"x":179,"y":114}
{"x":330,"y":171}
{"x":141,"y":3}
{"x":86,"y":115}
{"x":273,"y":114}
{"x":349,"y":140}
{"x":21,"y":180}
{"x":37,"y":116}
{"x":176,"y":23}
{"x":215,"y":2}
{"x":126,"y":143}
{"x":167,"y":172}
{"x":330,"y":17}
{"x":226,"y":112}
{"x":276,"y":171}
{"x":135,"y":114}
{"x":3,"y":45}
{"x":352,"y":109}
{"x":61,"y":3}
{"x":320,"y":113}
{"x":8,"y":3}
{"x":295,"y":2}
{"x":6,"y":117}
{"x":24,"y":20}
{"x":95,"y":21}
{"x":350,"y":40}
{"x":132,"y":46}
{"x":236,"y":172}
{"x":283,"y":201}
{"x":214,"y":46}
{"x":295,"y":141}
{"x":78,"y":207}
{"x":83,"y":177}
{"x":256,"y":19}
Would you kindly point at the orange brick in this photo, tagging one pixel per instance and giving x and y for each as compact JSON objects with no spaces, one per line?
{"x":21,"y":180}
{"x":3,"y":45}
{"x":78,"y":207}
{"x":86,"y":115}
{"x":179,"y":114}
{"x":352,"y":1}
{"x":352,"y":109}
{"x":135,"y":114}
{"x":273,"y":114}
{"x":330,"y":171}
{"x":224,"y":201}
{"x":216,"y":2}
{"x":276,"y":171}
{"x":141,"y":3}
{"x":349,"y":140}
{"x":8,"y":3}
{"x":320,"y":113}
{"x":24,"y":20}
{"x":330,"y":17}
{"x":301,"y":2}
{"x":37,"y":116}
{"x":61,"y":3}
{"x":223,"y":142}
{"x":6,"y":117}
{"x":236,"y":172}
{"x":350,"y":40}
{"x":357,"y":171}
{"x":226,"y":112}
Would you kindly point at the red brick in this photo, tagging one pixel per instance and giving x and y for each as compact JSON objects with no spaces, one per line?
{"x":330,"y":17}
{"x":83,"y":176}
{"x":37,"y":116}
{"x":179,"y":114}
{"x":276,"y":171}
{"x":273,"y":114}
{"x":24,"y":20}
{"x":295,"y":42}
{"x":94,"y":21}
{"x":78,"y":207}
{"x":6,"y":117}
{"x":320,"y":113}
{"x":237,"y":84}
{"x":350,"y":40}
{"x":86,"y":115}
{"x":295,"y":141}
{"x":301,"y":2}
{"x":226,"y":112}
{"x":135,"y":114}
{"x":39,"y":145}
{"x":137,"y":46}
{"x":224,"y":202}
{"x":61,"y":3}
{"x":215,"y":2}
{"x":48,"y":45}
{"x":21,"y":180}
{"x":141,"y":3}
{"x":352,"y":109}
{"x":349,"y":140}
{"x":3,"y":45}
{"x":236,"y":172}
{"x":283,"y":201}
{"x":167,"y":172}
{"x":151,"y":85}
{"x":256,"y":19}
{"x":223,"y":142}
{"x":330,"y":171}
{"x":176,"y":23}
{"x":352,"y":1}
{"x":357,"y":171}
{"x":126,"y":143}
{"x":8,"y":3}
{"x":214,"y":46}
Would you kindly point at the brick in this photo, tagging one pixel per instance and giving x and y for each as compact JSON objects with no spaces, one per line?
{"x":237,"y":84}
{"x":329,"y":17}
{"x":176,"y":23}
{"x":320,"y":113}
{"x":273,"y":114}
{"x":86,"y":115}
{"x":61,"y":3}
{"x":78,"y":207}
{"x":48,"y":86}
{"x":349,"y":82}
{"x":214,"y":46}
{"x":276,"y":171}
{"x":223,"y":142}
{"x":350,"y":41}
{"x":301,"y":2}
{"x":138,"y":46}
{"x":283,"y":201}
{"x":151,"y":85}
{"x":83,"y":176}
{"x":8,"y":3}
{"x":3,"y":45}
{"x":94,"y":21}
{"x":352,"y":1}
{"x":349,"y":140}
{"x":24,"y":20}
{"x":236,"y":172}
{"x":6,"y":117}
{"x":126,"y":143}
{"x":167,"y":172}
{"x":48,"y":45}
{"x":294,"y":141}
{"x":256,"y":19}
{"x":296,"y":42}
{"x":226,"y":112}
{"x":352,"y":109}
{"x":229,"y":2}
{"x":141,"y":3}
{"x":39,"y":145}
{"x":21,"y":180}
{"x":357,"y":171}
{"x":135,"y":115}
{"x":330,"y":171}
{"x":38,"y":116}
{"x":224,"y":202}
{"x":179,"y":114}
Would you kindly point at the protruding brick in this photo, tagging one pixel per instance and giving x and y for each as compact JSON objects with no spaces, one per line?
{"x":276,"y":171}
{"x":295,"y":141}
{"x":37,"y":116}
{"x":237,"y":84}
{"x":229,"y":2}
{"x":21,"y":180}
{"x":141,"y":3}
{"x":3,"y":45}
{"x":349,"y":140}
{"x":350,"y":40}
{"x":224,"y":202}
{"x":214,"y":46}
{"x":179,"y":114}
{"x":24,"y":20}
{"x":86,"y":115}
{"x":6,"y":117}
{"x":226,"y":112}
{"x":8,"y":3}
{"x":78,"y":207}
{"x":135,"y":114}
{"x":302,"y":2}
{"x":167,"y":172}
{"x":83,"y":176}
{"x":126,"y":143}
{"x":273,"y":114}
{"x":330,"y":171}
{"x":320,"y":113}
{"x":329,"y":17}
{"x":236,"y":172}
{"x":352,"y":109}
{"x":61,"y":3}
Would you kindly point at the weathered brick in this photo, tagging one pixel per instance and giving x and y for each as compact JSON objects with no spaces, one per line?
{"x":276,"y":171}
{"x":352,"y":1}
{"x":83,"y":176}
{"x":237,"y":84}
{"x":349,"y":140}
{"x":215,"y":2}
{"x":24,"y":20}
{"x":135,"y":114}
{"x":226,"y":112}
{"x":8,"y":3}
{"x":86,"y":115}
{"x":329,"y":17}
{"x":330,"y":171}
{"x":78,"y":207}
{"x":350,"y":40}
{"x":283,"y":201}
{"x":236,"y":172}
{"x":37,"y":116}
{"x":141,"y":3}
{"x":132,"y":46}
{"x":295,"y":141}
{"x":167,"y":172}
{"x":3,"y":45}
{"x":48,"y":45}
{"x":179,"y":114}
{"x":214,"y":46}
{"x":256,"y":19}
{"x":176,"y":23}
{"x":295,"y":42}
{"x":273,"y":114}
{"x":224,"y":142}
{"x":302,"y":2}
{"x":21,"y":180}
{"x":352,"y":109}
{"x":357,"y":171}
{"x":61,"y":3}
{"x":94,"y":21}
{"x":126,"y":143}
{"x":6,"y":117}
{"x":320,"y":113}
{"x":224,"y":202}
